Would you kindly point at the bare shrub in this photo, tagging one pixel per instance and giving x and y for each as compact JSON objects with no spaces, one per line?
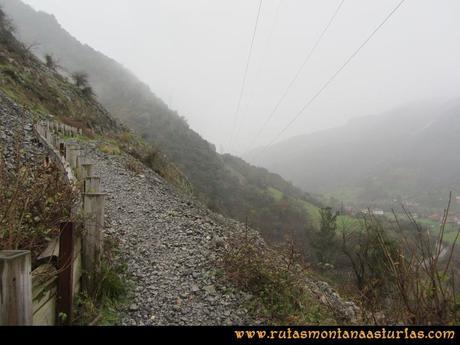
{"x":276,"y":280}
{"x":134,"y":165}
{"x":51,"y":62}
{"x":415,"y":280}
{"x":34,"y":200}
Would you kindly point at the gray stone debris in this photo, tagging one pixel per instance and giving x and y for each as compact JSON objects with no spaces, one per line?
{"x":345,"y":311}
{"x":170,"y":245}
{"x":17,"y":138}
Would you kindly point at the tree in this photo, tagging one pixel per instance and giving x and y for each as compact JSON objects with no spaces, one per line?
{"x":325,"y":241}
{"x":88,"y":91}
{"x":80,"y":79}
{"x":51,"y":63}
{"x":365,"y":250}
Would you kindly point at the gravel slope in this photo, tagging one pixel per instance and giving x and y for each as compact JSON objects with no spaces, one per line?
{"x":16,"y":130}
{"x":170,"y":244}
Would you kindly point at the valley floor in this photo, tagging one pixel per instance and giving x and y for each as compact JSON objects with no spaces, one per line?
{"x":170,"y":245}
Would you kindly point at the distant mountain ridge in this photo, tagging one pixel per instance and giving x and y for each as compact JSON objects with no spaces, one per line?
{"x":407,"y":153}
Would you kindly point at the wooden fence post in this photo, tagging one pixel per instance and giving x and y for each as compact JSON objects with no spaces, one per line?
{"x":92,"y":185}
{"x":93,"y":213}
{"x":56,"y":141}
{"x":86,"y":169}
{"x":62,"y":148}
{"x":80,"y":161}
{"x":39,"y":128}
{"x":51,"y":138}
{"x":64,"y":302}
{"x":15,"y":288}
{"x":48,"y":134}
{"x":72,"y":151}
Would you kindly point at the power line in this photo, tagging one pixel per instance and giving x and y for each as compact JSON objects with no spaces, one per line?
{"x":259,"y":68}
{"x":332,"y":78}
{"x":299,"y":71}
{"x":243,"y":86}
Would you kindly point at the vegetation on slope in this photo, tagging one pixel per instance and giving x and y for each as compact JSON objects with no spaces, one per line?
{"x":226,"y":184}
{"x":277,"y":282}
{"x":45,"y":92}
{"x":34,"y":200}
{"x":34,"y":197}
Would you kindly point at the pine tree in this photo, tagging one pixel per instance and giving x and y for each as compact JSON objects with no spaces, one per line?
{"x":325,"y":242}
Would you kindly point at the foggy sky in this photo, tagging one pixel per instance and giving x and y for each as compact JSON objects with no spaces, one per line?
{"x":192,"y":53}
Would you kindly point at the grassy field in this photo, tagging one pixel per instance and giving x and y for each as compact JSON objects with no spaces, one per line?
{"x":349,"y":223}
{"x":343,"y":221}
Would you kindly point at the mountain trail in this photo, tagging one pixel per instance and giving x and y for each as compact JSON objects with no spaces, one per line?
{"x":170,"y":245}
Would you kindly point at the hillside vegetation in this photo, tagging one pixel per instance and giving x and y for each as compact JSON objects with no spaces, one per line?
{"x":45,"y":92}
{"x":226,"y":184}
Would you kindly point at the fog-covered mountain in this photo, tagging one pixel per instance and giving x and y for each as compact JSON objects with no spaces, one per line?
{"x":410,"y":153}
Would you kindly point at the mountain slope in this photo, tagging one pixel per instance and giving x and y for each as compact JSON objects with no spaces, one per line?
{"x":216,"y":182}
{"x":408,"y":153}
{"x":45,"y":92}
{"x":176,"y":254}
